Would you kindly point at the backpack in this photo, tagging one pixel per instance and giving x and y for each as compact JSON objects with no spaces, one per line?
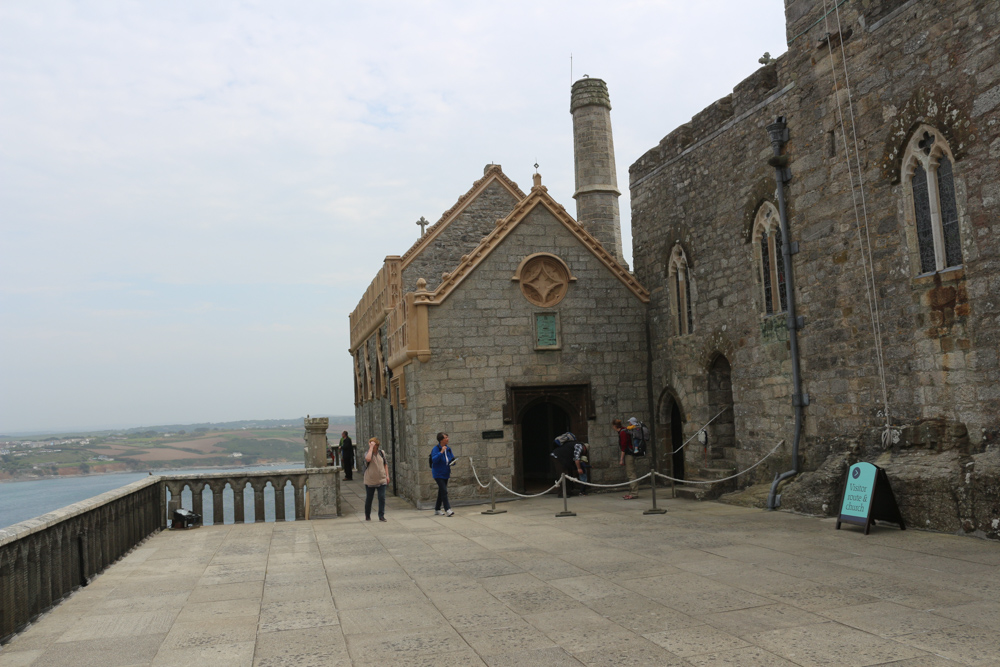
{"x":640,"y":436}
{"x":430,"y":458}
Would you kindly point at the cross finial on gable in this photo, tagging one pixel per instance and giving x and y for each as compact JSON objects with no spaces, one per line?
{"x":422,"y":223}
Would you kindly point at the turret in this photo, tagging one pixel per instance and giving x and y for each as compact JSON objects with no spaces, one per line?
{"x":594,"y":157}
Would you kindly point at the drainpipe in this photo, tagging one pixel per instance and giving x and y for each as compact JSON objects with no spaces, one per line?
{"x":778,"y":134}
{"x":392,"y":429}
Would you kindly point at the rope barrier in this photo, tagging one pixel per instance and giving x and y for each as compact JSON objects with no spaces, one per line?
{"x":700,"y":430}
{"x":481,"y":485}
{"x":521,"y":495}
{"x":715,"y":481}
{"x":609,"y":486}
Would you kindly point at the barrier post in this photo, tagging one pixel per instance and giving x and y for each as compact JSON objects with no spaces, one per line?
{"x":565,"y":511}
{"x":652,"y":490}
{"x":493,"y":501}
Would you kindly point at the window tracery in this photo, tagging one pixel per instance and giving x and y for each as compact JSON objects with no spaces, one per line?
{"x":931,"y":201}
{"x":679,"y":289}
{"x":767,"y":243}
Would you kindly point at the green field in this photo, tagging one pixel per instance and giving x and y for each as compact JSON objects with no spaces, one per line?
{"x":142,"y":450}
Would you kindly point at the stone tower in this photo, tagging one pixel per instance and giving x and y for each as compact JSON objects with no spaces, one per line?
{"x":594,"y":160}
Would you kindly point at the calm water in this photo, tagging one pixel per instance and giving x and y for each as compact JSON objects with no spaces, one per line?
{"x":20,"y":501}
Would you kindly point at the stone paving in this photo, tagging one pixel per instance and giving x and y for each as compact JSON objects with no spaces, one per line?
{"x":706,"y":584}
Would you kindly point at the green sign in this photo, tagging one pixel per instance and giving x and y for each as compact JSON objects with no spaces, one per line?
{"x":545,"y":330}
{"x":868,"y":498}
{"x":859,"y":491}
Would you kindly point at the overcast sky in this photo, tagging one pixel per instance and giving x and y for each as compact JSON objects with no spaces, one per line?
{"x":194,"y":195}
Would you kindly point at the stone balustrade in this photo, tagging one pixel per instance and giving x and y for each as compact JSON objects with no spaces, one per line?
{"x":45,"y":559}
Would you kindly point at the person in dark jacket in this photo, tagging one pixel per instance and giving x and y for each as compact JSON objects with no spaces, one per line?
{"x":441,"y":460}
{"x":347,"y":455}
{"x":564,"y":455}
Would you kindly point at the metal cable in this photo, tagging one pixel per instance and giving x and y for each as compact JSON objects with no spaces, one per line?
{"x":866,"y":259}
{"x":700,"y":430}
{"x":715,"y":481}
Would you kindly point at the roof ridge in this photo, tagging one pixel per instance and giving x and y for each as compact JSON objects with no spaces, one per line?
{"x":539,"y":196}
{"x":492,"y":171}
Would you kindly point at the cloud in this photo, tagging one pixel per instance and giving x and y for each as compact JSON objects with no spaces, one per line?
{"x":174,"y":175}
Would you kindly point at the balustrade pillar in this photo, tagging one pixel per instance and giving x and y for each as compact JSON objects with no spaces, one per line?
{"x":218,"y":487}
{"x":8,"y":612}
{"x":44,"y":571}
{"x":258,"y":500}
{"x":197,"y":504}
{"x":238,"y":502}
{"x":279,"y":499}
{"x":300,"y":501}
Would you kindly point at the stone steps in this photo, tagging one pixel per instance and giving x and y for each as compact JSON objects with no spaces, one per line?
{"x":716,"y":469}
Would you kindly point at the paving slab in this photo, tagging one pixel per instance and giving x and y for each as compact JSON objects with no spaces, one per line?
{"x":705,"y":585}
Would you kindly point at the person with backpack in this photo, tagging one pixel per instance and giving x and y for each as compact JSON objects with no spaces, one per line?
{"x":441,"y":461}
{"x":376,"y":479}
{"x":626,"y":458}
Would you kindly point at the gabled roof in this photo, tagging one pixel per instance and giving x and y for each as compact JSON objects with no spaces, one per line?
{"x":492,"y":174}
{"x":539,"y":197}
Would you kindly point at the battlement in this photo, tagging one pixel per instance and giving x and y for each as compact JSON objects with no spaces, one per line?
{"x":747,"y":94}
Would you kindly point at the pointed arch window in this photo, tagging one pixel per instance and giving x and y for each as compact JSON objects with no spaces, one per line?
{"x":679,"y":289}
{"x":767,"y":244}
{"x":932,"y":205}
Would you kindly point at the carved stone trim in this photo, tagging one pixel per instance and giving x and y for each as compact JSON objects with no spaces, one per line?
{"x":544,"y":279}
{"x":539,"y":197}
{"x":493,"y":173}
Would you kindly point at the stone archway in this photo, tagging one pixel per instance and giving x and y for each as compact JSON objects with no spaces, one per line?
{"x":670,"y":431}
{"x":539,"y":413}
{"x":722,"y":432}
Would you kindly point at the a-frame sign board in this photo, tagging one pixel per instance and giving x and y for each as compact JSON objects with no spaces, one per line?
{"x":868,"y":498}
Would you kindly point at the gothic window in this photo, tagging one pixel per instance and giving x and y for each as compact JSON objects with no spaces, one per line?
{"x":679,"y":291}
{"x":767,"y":244}
{"x":931,"y":206}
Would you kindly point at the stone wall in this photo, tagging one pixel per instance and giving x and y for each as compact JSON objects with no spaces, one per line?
{"x":909,"y":63}
{"x":459,"y":236}
{"x":482,"y":341}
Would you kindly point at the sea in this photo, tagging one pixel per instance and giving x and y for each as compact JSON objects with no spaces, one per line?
{"x":23,"y":500}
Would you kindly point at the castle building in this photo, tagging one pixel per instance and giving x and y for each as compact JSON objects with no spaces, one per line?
{"x":822,"y":253}
{"x":822,"y":250}
{"x":507,"y":323}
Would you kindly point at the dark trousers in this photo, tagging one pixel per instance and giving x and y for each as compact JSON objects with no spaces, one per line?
{"x":348,"y":461}
{"x":442,"y":499}
{"x":369,"y":495}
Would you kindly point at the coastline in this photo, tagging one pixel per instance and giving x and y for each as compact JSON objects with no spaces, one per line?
{"x":12,"y":480}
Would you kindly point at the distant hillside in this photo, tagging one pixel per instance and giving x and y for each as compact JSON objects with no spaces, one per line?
{"x":338,"y":420}
{"x":337,"y":423}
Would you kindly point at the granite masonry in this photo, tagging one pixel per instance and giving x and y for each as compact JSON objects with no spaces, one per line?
{"x":891,"y":175}
{"x":511,"y":334}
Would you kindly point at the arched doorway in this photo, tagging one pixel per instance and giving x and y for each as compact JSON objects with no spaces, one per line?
{"x":722,"y":432}
{"x":671,"y":422}
{"x":540,"y":424}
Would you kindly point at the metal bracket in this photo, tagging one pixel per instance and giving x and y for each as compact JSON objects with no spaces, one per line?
{"x":793,"y":248}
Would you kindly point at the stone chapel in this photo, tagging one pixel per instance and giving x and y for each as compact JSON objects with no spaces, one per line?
{"x":507,"y":323}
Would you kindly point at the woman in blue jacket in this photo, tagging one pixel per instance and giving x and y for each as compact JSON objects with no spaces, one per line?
{"x":441,"y":460}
